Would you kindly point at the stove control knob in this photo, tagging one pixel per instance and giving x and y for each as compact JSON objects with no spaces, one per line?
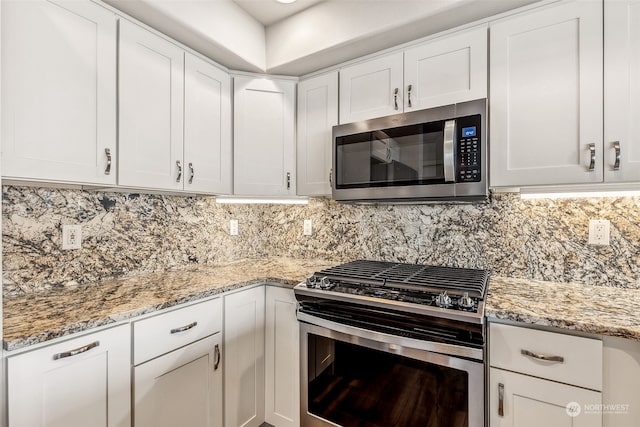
{"x":443,"y":300}
{"x":312,"y":281}
{"x":325,"y":283}
{"x":465,"y":301}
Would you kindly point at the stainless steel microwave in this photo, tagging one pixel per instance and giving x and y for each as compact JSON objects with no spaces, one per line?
{"x":437,"y":154}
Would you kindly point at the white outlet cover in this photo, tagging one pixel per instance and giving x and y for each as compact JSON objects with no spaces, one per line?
{"x":599,"y":230}
{"x":71,"y":237}
{"x":233,"y":227}
{"x":307,"y":230}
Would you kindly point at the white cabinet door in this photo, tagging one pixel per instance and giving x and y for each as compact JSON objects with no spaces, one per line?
{"x":58,"y":91}
{"x":244,"y":358}
{"x":151,"y":101}
{"x":621,"y":362}
{"x":371,"y":89}
{"x":532,"y":402}
{"x":78,"y":383}
{"x":207,"y":127}
{"x":282,"y":358}
{"x":264,"y":137}
{"x":446,"y":70}
{"x":182,"y":388}
{"x":317,"y":114}
{"x":622,"y":90}
{"x":546,"y":96}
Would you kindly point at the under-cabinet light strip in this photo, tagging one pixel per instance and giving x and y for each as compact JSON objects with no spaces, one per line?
{"x":249,"y":200}
{"x":584,"y":194}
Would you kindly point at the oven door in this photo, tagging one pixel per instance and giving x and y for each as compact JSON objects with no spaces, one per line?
{"x":354,"y":377}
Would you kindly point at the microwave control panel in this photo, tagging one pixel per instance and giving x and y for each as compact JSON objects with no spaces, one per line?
{"x":468,"y":152}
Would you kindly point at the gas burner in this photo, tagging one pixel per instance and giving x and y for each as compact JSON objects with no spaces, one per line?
{"x":443,"y":300}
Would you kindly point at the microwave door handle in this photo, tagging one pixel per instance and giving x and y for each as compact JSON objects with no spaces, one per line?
{"x":449,"y":150}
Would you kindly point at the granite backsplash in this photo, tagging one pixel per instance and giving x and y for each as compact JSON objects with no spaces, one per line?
{"x":132,"y":233}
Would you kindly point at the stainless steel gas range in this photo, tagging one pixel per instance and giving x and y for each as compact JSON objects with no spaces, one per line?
{"x":390,"y":344}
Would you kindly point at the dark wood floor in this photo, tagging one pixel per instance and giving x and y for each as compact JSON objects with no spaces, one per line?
{"x":375,"y":389}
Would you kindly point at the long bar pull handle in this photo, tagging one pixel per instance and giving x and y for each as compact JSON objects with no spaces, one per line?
{"x":592,"y":157}
{"x":288,"y":180}
{"x":409,"y":96}
{"x":184,"y":328}
{"x":192,"y":173}
{"x":449,"y":150}
{"x":179,"y":165}
{"x":76,"y":351}
{"x":501,"y":399}
{"x":395,"y":98}
{"x":616,"y":146}
{"x":107,"y":170}
{"x":544,"y":357}
{"x":330,"y":177}
{"x":216,"y":363}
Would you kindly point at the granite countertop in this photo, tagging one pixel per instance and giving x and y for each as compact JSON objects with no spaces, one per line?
{"x":599,"y":310}
{"x":37,"y":317}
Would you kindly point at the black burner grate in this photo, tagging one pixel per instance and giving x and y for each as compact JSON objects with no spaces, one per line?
{"x":412,"y":276}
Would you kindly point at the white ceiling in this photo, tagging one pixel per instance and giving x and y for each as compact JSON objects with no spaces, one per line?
{"x":268,"y":12}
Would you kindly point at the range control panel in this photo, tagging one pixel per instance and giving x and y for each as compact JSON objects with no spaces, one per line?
{"x":468,"y":150}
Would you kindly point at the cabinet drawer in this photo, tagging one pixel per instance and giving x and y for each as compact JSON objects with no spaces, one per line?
{"x":581,"y":362}
{"x":166,"y":332}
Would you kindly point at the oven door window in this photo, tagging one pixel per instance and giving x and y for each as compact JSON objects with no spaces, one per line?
{"x":408,"y":155}
{"x":351,"y":386}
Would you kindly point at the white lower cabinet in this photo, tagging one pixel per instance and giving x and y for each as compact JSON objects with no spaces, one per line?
{"x":182,"y":388}
{"x":244,"y":358}
{"x":282,"y":358}
{"x":541,"y":378}
{"x":177,"y":377}
{"x":518,"y":400}
{"x":81,"y":382}
{"x":620,"y":390}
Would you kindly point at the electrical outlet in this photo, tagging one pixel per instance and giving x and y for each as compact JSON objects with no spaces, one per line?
{"x":71,"y":237}
{"x":599,"y":230}
{"x":307,"y":231}
{"x":233,"y":227}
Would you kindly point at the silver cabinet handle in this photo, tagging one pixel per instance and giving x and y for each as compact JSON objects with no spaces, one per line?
{"x":544,"y":357}
{"x":76,"y":351}
{"x":107,"y":170}
{"x":288,"y":180}
{"x":216,"y":363}
{"x":184,"y":328}
{"x":395,"y":98}
{"x":192,"y":173}
{"x":616,"y":146}
{"x":179,"y":165}
{"x":501,"y":399}
{"x":592,"y":156}
{"x":409,"y":96}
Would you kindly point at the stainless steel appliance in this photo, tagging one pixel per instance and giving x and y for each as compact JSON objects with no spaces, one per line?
{"x":438,"y":154}
{"x":391,"y":344}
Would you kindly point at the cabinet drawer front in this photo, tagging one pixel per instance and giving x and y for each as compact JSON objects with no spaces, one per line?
{"x":581,"y":362}
{"x":166,"y":332}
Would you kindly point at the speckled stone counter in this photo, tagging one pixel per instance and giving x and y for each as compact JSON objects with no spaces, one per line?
{"x":38,"y":317}
{"x":594,"y":309}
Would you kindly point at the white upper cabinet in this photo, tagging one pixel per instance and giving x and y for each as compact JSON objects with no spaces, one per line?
{"x":546,"y":96}
{"x":207,"y":127}
{"x":58,"y":91}
{"x":441,"y":71}
{"x":446,"y":70}
{"x":264,"y":137}
{"x":151,"y":110}
{"x":622,"y":90}
{"x":371,"y":89}
{"x":317,"y":114}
